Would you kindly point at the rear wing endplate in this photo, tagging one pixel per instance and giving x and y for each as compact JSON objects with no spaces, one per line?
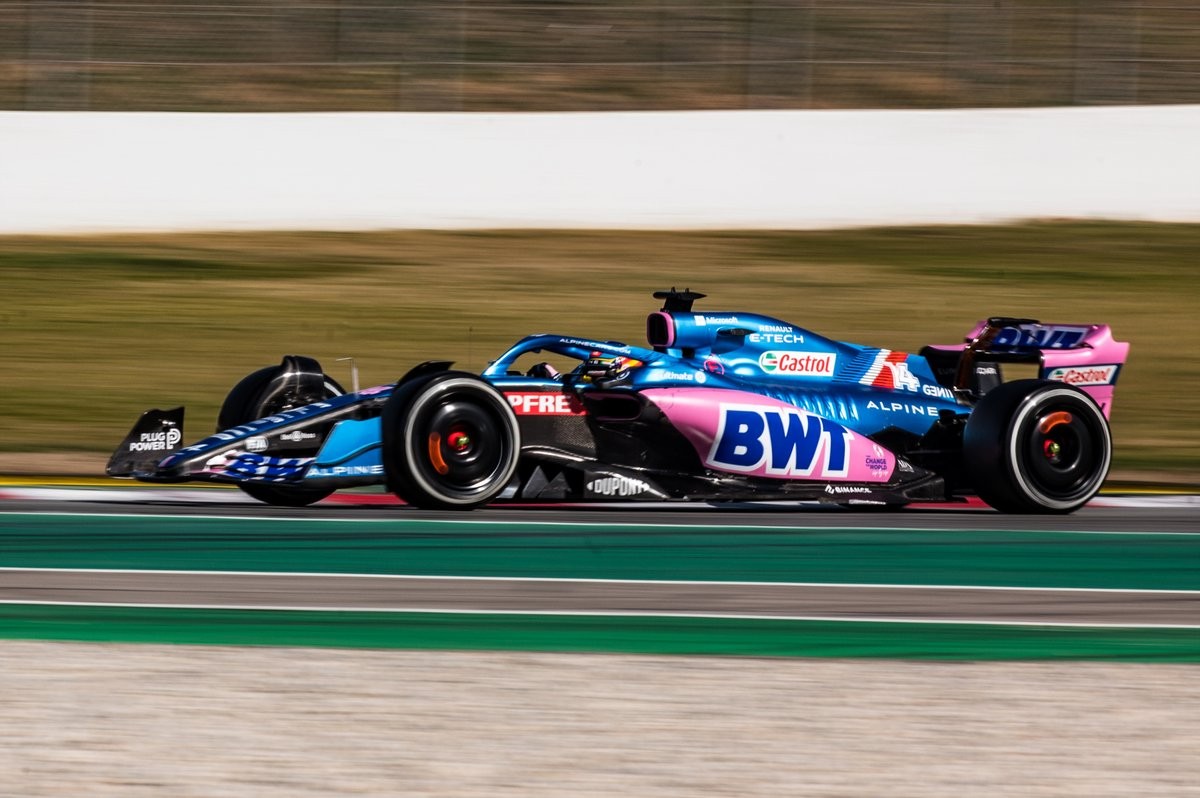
{"x":1084,"y":355}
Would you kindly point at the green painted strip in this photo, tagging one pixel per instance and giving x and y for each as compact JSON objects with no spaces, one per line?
{"x":932,"y":557}
{"x":642,"y":635}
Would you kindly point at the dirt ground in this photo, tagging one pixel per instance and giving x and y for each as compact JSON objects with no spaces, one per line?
{"x":145,"y":720}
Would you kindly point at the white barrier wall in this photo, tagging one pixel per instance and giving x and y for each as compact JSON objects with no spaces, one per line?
{"x":772,"y":169}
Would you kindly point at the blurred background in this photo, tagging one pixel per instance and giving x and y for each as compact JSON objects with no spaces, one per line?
{"x":559,"y":55}
{"x":95,"y":328}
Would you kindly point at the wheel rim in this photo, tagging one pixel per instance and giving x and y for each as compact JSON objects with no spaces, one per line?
{"x":1063,"y":454}
{"x":465,"y":445}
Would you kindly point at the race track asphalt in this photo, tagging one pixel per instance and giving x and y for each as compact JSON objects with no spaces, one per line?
{"x":757,"y":561}
{"x":259,"y":608}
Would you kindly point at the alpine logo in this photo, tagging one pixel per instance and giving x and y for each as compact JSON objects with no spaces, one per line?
{"x":890,"y":370}
{"x":789,"y":443}
{"x":902,"y":407}
{"x":617,"y":486}
{"x":1084,"y":375}
{"x":374,"y":470}
{"x":545,"y":404}
{"x":798,"y":364}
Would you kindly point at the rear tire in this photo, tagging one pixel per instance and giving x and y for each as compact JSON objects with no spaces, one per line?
{"x":450,"y":442}
{"x":257,"y":397}
{"x":1034,"y":446}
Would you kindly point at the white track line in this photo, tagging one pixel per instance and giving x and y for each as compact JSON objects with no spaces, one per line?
{"x":584,"y":580}
{"x":616,"y":614}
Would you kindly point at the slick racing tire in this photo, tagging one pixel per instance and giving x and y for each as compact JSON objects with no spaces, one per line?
{"x":450,"y":442}
{"x":258,"y":395}
{"x":1033,"y":446}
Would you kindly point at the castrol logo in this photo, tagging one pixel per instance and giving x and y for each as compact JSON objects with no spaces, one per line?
{"x":1084,"y":375}
{"x":799,"y":364}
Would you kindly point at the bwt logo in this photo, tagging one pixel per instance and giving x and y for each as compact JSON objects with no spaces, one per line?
{"x":789,"y":443}
{"x":1048,"y":336}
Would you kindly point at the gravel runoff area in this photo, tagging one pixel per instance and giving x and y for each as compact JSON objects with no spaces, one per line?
{"x":149,"y":720}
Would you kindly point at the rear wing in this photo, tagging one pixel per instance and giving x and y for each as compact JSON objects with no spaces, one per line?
{"x":1084,"y":355}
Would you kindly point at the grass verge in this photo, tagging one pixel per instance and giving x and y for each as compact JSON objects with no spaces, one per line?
{"x":96,"y":329}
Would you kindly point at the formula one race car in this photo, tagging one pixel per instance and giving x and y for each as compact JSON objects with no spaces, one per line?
{"x":723,"y":406}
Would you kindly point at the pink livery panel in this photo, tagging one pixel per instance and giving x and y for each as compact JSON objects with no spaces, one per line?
{"x":1084,"y":355}
{"x":1093,"y":367}
{"x":745,"y":433}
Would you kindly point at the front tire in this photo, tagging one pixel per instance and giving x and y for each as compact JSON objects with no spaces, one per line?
{"x":1033,"y":446}
{"x":450,"y":442}
{"x":261,"y":394}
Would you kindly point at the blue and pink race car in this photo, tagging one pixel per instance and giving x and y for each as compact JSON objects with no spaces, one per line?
{"x":722,"y":406}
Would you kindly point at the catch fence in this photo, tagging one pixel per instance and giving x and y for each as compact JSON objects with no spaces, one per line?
{"x":556,"y":55}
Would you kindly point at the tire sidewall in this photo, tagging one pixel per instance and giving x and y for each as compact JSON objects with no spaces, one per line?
{"x":245,"y":403}
{"x":1000,"y":426}
{"x":246,"y":400}
{"x":403,"y":440}
{"x":1018,"y":431}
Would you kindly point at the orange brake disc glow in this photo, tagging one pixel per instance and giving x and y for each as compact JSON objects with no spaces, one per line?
{"x":1055,"y":420}
{"x":435,"y":454}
